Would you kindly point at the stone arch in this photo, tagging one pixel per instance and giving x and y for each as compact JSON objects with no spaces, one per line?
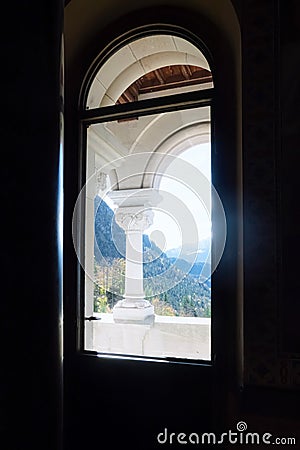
{"x":174,"y":145}
{"x":138,"y":58}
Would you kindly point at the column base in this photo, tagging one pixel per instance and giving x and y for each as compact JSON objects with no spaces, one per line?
{"x":135,"y":311}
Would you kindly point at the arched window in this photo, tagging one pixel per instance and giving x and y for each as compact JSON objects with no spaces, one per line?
{"x":143,"y":222}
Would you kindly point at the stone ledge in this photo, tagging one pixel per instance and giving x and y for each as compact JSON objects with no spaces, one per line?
{"x":169,"y":336}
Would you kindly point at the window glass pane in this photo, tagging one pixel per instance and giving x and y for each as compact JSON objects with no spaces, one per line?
{"x":148,"y":236}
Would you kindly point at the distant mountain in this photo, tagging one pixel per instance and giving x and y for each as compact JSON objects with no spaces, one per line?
{"x":192,"y":252}
{"x":109,"y":237}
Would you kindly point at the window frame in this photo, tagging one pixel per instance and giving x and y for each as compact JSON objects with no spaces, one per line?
{"x":169,"y":103}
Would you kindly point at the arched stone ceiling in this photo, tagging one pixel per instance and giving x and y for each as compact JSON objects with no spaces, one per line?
{"x":137,"y":60}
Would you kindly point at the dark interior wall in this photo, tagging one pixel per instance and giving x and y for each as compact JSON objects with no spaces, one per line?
{"x":270,"y":49}
{"x":271,"y":139}
{"x":31,"y":276}
{"x":289,"y":98}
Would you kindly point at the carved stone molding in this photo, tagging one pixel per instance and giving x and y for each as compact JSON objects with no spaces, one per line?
{"x":101,"y":183}
{"x":134,"y":218}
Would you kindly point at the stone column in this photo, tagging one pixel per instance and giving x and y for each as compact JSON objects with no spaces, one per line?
{"x":134,"y":307}
{"x":134,"y":215}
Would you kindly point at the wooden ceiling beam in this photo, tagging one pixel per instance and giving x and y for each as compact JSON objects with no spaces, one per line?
{"x":159,"y":76}
{"x":160,"y":79}
{"x":186,"y":72}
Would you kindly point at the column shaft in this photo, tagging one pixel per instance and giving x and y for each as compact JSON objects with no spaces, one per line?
{"x":134,"y":287}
